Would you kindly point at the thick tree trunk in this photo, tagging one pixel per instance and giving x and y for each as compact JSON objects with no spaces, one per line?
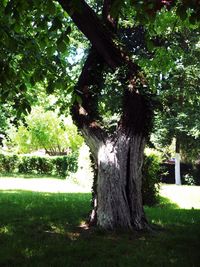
{"x":119,"y":195}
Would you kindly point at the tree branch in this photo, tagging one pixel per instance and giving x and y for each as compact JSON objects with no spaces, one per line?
{"x":86,"y":114}
{"x":98,"y":34}
{"x":107,"y":17}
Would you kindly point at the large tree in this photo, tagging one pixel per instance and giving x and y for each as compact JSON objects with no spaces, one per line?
{"x":177,"y":82}
{"x":117,"y":151}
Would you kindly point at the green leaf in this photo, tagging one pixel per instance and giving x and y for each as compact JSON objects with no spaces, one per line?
{"x":70,"y":89}
{"x":182,"y":12}
{"x":62,"y":47}
{"x":50,"y":88}
{"x":150,"y":45}
{"x":17,"y":27}
{"x":68,"y":31}
{"x":58,"y":84}
{"x":4,"y":2}
{"x":73,"y":99}
{"x":56,"y":24}
{"x":51,"y":8}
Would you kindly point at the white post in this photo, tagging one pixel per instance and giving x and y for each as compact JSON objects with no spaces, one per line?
{"x":177,"y":169}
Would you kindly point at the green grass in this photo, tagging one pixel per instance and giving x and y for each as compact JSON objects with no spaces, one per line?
{"x":42,"y":229}
{"x":186,"y":196}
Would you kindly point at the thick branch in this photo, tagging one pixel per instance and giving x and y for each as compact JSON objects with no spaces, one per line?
{"x":87,"y":21}
{"x":97,"y":33}
{"x":86,"y":114}
{"x":104,"y":50}
{"x":88,"y":87}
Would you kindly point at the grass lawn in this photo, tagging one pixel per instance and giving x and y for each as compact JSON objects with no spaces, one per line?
{"x":184,"y":196}
{"x":43,"y":229}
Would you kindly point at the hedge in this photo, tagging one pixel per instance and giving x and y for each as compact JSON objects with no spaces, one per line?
{"x":151,"y":173}
{"x":62,"y":165}
{"x":54,"y":166}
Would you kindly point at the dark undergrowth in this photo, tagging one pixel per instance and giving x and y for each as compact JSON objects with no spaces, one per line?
{"x":43,"y":229}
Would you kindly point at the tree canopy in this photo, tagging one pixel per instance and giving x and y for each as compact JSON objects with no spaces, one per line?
{"x":38,"y":38}
{"x":176,"y":83}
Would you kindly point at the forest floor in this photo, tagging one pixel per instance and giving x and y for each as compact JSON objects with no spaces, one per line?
{"x":42,"y":224}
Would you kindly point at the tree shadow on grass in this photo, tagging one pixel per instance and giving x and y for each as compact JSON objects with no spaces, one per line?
{"x":33,"y":224}
{"x":42,"y":229}
{"x":169,"y":213}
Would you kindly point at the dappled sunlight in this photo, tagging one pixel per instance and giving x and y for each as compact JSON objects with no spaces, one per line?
{"x":158,"y":222}
{"x":6,"y":229}
{"x":37,"y":225}
{"x":49,"y":228}
{"x":73,"y":235}
{"x":179,"y":218}
{"x":42,"y":185}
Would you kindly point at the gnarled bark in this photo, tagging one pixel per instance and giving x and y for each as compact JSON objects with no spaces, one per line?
{"x":119,"y":183}
{"x":117,"y":197}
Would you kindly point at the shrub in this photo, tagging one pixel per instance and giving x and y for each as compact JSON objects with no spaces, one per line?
{"x":190,"y":173}
{"x":188,"y":179}
{"x":64,"y":165}
{"x":58,"y":166}
{"x":35,"y":165}
{"x":151,"y":179}
{"x":196,"y":173}
{"x":8,"y":163}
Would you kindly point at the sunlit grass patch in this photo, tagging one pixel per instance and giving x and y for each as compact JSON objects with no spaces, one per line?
{"x":47,"y":184}
{"x":6,"y":229}
{"x":184,"y":196}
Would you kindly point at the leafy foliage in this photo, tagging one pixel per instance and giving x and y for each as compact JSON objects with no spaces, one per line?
{"x":40,"y":45}
{"x":56,"y":166}
{"x":151,"y":179}
{"x":45,"y":130}
{"x":34,"y":41}
{"x":173,"y":73}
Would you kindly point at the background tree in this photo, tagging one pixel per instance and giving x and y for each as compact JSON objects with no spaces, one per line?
{"x":45,"y":130}
{"x":178,"y":117}
{"x":176,"y":83}
{"x":117,"y":151}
